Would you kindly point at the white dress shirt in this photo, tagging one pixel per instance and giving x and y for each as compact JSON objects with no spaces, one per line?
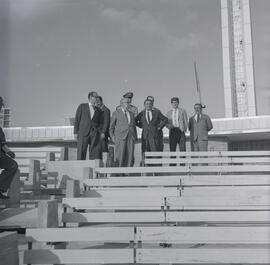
{"x":197,"y":117}
{"x":92,"y":110}
{"x":175,"y":118}
{"x":126,"y":112}
{"x":150,"y":116}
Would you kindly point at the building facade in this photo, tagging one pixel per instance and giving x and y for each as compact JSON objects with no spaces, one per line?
{"x":5,"y":117}
{"x":238,"y":70}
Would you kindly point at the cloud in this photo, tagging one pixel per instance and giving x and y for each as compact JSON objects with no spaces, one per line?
{"x":143,"y":22}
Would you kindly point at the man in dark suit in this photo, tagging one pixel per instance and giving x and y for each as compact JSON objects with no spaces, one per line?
{"x":106,"y":117}
{"x":7,"y":163}
{"x":87,"y":127}
{"x":199,"y":125}
{"x":160,"y":144}
{"x":123,"y":133}
{"x":151,"y":120}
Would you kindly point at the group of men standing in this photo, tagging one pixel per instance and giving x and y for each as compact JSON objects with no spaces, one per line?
{"x":94,"y":125}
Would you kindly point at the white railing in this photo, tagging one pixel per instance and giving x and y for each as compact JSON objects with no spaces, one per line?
{"x":57,"y":133}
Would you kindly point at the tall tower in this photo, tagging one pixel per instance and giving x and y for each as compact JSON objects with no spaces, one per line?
{"x":238,"y":73}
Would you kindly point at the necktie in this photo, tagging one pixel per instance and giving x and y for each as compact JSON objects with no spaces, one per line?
{"x":148,"y":116}
{"x":126,"y":116}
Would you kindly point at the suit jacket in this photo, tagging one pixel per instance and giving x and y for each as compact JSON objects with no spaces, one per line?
{"x":131,"y":108}
{"x":106,"y":119}
{"x":182,"y":119}
{"x":152,"y":129}
{"x":199,"y":129}
{"x":84,"y":125}
{"x":2,"y":140}
{"x":120,"y":128}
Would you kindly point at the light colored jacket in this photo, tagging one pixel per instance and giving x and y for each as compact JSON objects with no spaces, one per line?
{"x":120,"y":128}
{"x":182,"y":119}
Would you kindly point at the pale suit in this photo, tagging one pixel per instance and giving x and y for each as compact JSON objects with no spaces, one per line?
{"x":124,"y":133}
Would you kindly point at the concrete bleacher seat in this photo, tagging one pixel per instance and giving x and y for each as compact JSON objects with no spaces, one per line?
{"x":43,"y":154}
{"x":207,"y":158}
{"x":216,"y":213}
{"x":224,"y":245}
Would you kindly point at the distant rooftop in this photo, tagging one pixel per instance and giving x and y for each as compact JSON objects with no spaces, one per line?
{"x":257,"y":127}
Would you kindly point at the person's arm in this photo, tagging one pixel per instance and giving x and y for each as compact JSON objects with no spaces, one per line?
{"x":185,"y":119}
{"x":106,"y":120}
{"x":163,"y":120}
{"x":6,"y":150}
{"x":138,"y":120}
{"x":136,"y":111}
{"x":209,"y":123}
{"x":112,"y":126}
{"x":189,"y":124}
{"x":169,"y":124}
{"x":4,"y":146}
{"x":77,"y":119}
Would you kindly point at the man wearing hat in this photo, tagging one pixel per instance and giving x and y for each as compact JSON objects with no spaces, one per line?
{"x":199,"y":125}
{"x":87,"y":127}
{"x":160,"y":145}
{"x":123,"y":133}
{"x":177,"y":125}
{"x":7,"y":163}
{"x":133,"y":109}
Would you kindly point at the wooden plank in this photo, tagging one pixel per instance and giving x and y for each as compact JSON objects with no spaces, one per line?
{"x":113,"y":203}
{"x":204,"y":256}
{"x":204,"y":235}
{"x":114,"y":217}
{"x":70,"y":164}
{"x":210,"y":160}
{"x":134,"y":181}
{"x":48,"y":214}
{"x":256,"y":194}
{"x":185,"y":169}
{"x":18,"y":217}
{"x":78,"y":256}
{"x":231,"y":168}
{"x":24,"y":170}
{"x":26,"y":161}
{"x":220,"y":216}
{"x":243,"y":199}
{"x":221,"y":180}
{"x":36,"y":149}
{"x":209,"y":153}
{"x":82,"y":234}
{"x":150,"y":192}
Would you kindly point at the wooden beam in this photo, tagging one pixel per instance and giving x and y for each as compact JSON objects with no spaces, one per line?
{"x":114,"y":203}
{"x":48,"y":214}
{"x":210,"y":153}
{"x":79,"y":256}
{"x":204,"y":235}
{"x":82,"y":234}
{"x":9,"y":254}
{"x":204,"y":256}
{"x":73,"y":188}
{"x":220,"y":216}
{"x":14,"y":191}
{"x":114,"y":217}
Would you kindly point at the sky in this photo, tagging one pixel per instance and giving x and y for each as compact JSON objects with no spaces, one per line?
{"x":53,"y":52}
